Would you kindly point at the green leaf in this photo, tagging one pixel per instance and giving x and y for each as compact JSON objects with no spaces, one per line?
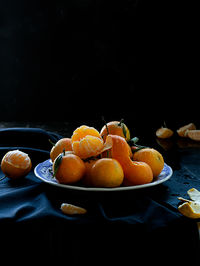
{"x":105,"y":124}
{"x":121,"y":122}
{"x":57,"y":164}
{"x":122,"y":125}
{"x":123,"y":129}
{"x":133,"y":141}
{"x":139,"y":147}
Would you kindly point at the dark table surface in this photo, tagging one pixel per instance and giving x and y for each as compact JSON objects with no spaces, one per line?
{"x":119,"y":227}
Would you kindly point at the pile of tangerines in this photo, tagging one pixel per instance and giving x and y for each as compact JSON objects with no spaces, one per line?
{"x":108,"y":158}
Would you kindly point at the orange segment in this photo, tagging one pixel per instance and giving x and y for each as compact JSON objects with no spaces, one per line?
{"x":193,"y":134}
{"x":71,"y":209}
{"x":182,"y":131}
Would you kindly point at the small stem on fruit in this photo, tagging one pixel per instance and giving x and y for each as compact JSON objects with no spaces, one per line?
{"x":105,"y":125}
{"x":121,"y":122}
{"x":52,"y":143}
{"x":2,"y":178}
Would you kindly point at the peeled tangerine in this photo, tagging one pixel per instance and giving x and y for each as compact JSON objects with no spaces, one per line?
{"x":87,"y":142}
{"x":16,"y":164}
{"x":191,"y":208}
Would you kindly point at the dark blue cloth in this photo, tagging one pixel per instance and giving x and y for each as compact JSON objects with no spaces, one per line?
{"x":147,"y":218}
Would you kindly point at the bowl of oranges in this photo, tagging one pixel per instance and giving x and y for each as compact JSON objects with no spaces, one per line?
{"x":105,"y":160}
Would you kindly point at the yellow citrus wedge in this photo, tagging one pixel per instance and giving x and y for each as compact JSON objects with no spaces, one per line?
{"x":71,"y":209}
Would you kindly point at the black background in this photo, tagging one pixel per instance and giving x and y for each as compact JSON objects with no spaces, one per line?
{"x":79,"y":60}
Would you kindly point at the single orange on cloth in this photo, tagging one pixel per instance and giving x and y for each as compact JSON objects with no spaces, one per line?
{"x":68,"y":168}
{"x":137,"y":173}
{"x":87,"y":142}
{"x":152,"y":157}
{"x":164,"y":133}
{"x":62,"y":144}
{"x":115,"y":128}
{"x":16,"y":164}
{"x":106,"y":172}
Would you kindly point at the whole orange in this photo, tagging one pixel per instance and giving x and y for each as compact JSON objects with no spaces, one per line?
{"x":152,"y":157}
{"x":115,"y":128}
{"x":136,"y":173}
{"x":68,"y":168}
{"x":87,"y":177}
{"x":62,"y":144}
{"x":106,"y":172}
{"x":16,"y":164}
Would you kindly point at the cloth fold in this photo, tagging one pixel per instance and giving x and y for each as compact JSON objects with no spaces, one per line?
{"x":150,"y":212}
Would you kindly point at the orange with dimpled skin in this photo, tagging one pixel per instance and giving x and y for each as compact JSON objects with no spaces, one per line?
{"x":68,"y":168}
{"x":62,"y":144}
{"x":115,"y":128}
{"x":152,"y":157}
